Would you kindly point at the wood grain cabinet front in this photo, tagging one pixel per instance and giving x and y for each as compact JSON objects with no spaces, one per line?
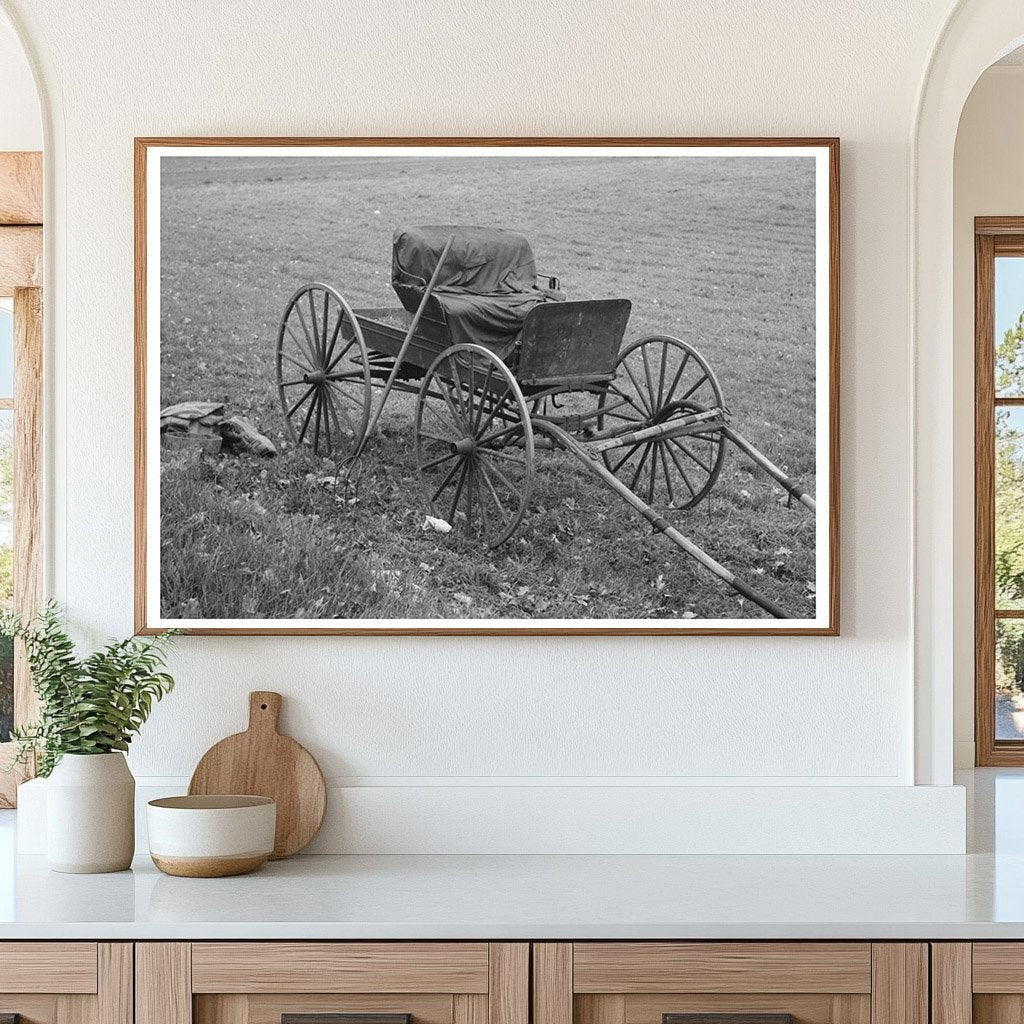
{"x":332,"y":983}
{"x":730,"y":983}
{"x":66,"y":982}
{"x":978,"y":983}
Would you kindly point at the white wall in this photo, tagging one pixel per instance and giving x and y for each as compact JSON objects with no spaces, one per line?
{"x":987,"y":181}
{"x":435,"y":714}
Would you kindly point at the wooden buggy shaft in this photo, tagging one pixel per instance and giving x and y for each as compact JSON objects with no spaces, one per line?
{"x":396,"y":368}
{"x":770,"y":468}
{"x":598,"y":468}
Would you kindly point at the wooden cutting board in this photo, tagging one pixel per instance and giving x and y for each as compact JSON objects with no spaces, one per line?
{"x":262,"y":762}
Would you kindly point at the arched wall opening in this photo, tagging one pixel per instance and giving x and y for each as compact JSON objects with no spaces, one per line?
{"x":976,"y":34}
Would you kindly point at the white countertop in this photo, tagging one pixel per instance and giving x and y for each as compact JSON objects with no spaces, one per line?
{"x":496,"y":897}
{"x":977,"y":896}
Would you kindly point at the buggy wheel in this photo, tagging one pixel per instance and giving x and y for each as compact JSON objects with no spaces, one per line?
{"x":474,"y":443}
{"x":659,"y":378}
{"x":323,"y":372}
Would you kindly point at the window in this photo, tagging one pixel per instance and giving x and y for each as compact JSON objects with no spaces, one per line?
{"x":999,"y":490}
{"x":20,"y":502}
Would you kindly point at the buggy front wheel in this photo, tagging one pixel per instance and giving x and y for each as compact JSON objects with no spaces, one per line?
{"x":658,"y":379}
{"x":474,"y":443}
{"x":323,"y":372}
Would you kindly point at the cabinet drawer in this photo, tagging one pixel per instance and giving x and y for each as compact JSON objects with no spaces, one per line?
{"x":66,"y":982}
{"x":65,"y":967}
{"x":634,"y":967}
{"x":730,"y":983}
{"x":340,"y":967}
{"x":332,"y":983}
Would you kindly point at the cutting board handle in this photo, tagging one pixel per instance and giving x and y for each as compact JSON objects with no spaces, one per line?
{"x":264,"y":710}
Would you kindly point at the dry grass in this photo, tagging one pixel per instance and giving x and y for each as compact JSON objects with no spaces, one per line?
{"x":717,"y":252}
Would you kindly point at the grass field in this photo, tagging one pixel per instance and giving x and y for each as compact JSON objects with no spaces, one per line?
{"x":716,"y":251}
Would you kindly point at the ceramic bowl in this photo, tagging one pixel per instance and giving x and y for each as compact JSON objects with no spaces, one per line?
{"x":211,"y":836}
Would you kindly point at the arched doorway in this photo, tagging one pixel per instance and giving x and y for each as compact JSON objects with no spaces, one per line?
{"x":975,"y":35}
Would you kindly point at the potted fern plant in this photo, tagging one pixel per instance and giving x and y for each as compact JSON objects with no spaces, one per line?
{"x":90,"y":708}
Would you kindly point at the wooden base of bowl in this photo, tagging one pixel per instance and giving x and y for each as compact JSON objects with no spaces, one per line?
{"x":209,"y":867}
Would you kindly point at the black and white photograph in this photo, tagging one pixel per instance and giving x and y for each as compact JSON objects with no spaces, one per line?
{"x":476,"y":387}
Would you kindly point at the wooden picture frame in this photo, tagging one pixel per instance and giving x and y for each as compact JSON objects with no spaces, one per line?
{"x":821,"y":592}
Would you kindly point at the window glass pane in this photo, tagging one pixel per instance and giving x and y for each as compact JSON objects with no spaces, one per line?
{"x":1009,"y":326}
{"x":1009,"y":679}
{"x":6,"y":567}
{"x":6,"y":353}
{"x":1009,"y":532}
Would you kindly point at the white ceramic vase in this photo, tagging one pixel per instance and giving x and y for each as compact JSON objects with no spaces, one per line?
{"x":90,"y":814}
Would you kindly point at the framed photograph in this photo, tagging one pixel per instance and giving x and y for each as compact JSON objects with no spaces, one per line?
{"x":502,"y":386}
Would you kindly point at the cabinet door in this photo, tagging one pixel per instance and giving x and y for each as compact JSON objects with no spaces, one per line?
{"x":332,"y":983}
{"x":980,"y":982}
{"x":65,"y":983}
{"x":730,"y":983}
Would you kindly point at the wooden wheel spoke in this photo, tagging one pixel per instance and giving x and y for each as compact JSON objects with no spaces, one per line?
{"x":677,"y":378}
{"x":470,"y":490}
{"x":653,"y":475}
{"x":499,"y":403}
{"x":458,"y":492}
{"x":640,"y":466}
{"x":348,"y":398}
{"x":291,"y":383}
{"x":302,"y":346}
{"x":481,"y":504}
{"x":456,"y":410}
{"x":661,"y":376}
{"x":304,"y":367}
{"x":500,"y":453}
{"x":309,"y":391}
{"x":668,"y":475}
{"x":326,"y":400}
{"x":485,"y":473}
{"x":497,"y":435}
{"x":444,"y":483}
{"x":647,"y":375}
{"x":639,"y":390}
{"x":686,"y":451}
{"x":314,"y":348}
{"x":437,"y":462}
{"x":329,"y":350}
{"x":504,"y":479}
{"x":341,"y":355}
{"x":484,"y":392}
{"x":316,"y":427}
{"x":682,"y":470}
{"x":305,"y":422}
{"x":316,"y":330}
{"x":700,"y":380}
{"x":630,"y":452}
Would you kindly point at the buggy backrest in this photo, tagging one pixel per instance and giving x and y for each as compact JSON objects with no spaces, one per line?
{"x":481,"y":261}
{"x":572,"y":342}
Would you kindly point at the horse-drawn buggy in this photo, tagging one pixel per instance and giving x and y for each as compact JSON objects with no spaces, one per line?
{"x":503,"y":365}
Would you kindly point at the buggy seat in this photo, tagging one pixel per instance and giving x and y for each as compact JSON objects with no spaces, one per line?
{"x":486,"y":288}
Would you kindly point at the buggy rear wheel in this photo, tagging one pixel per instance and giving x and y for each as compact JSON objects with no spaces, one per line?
{"x":474,"y":443}
{"x":658,"y":379}
{"x":323,"y":372}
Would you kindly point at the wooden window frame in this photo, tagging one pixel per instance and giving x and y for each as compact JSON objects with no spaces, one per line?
{"x":21,"y":278}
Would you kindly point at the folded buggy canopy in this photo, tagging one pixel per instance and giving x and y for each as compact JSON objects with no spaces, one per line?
{"x":486,"y":287}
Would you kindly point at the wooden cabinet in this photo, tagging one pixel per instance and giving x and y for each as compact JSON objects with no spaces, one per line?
{"x":306,"y":982}
{"x":978,"y":983}
{"x":66,"y":982}
{"x":752,"y":982}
